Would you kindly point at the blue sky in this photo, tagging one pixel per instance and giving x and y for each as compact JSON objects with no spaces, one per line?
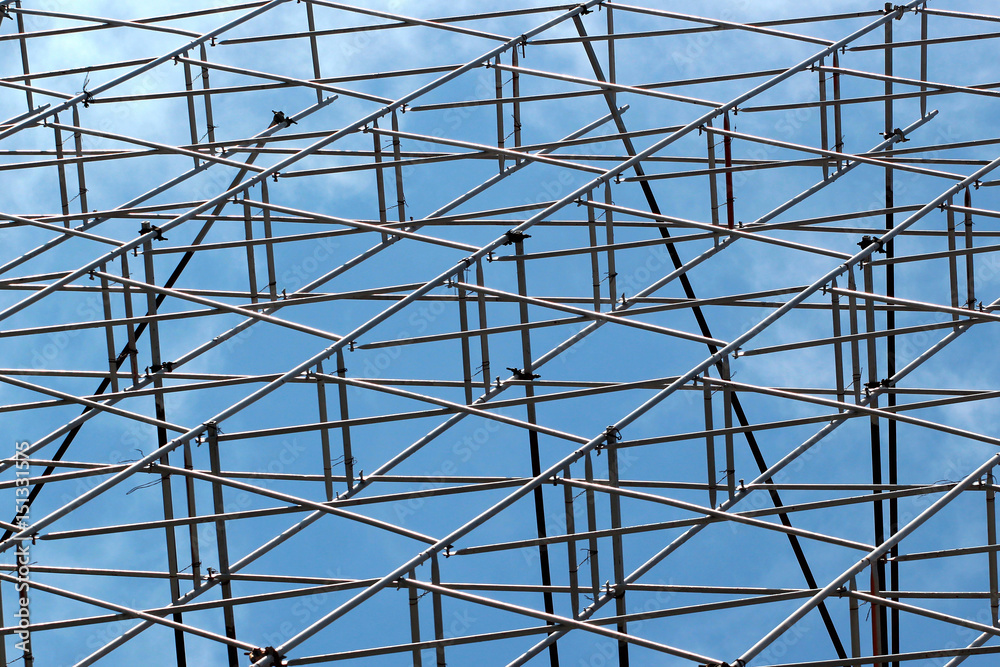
{"x":724,"y":554}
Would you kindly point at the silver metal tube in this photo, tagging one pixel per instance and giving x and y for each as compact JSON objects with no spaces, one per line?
{"x":871,"y":558}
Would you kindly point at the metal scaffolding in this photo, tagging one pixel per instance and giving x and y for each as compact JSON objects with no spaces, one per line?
{"x":575,"y":334}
